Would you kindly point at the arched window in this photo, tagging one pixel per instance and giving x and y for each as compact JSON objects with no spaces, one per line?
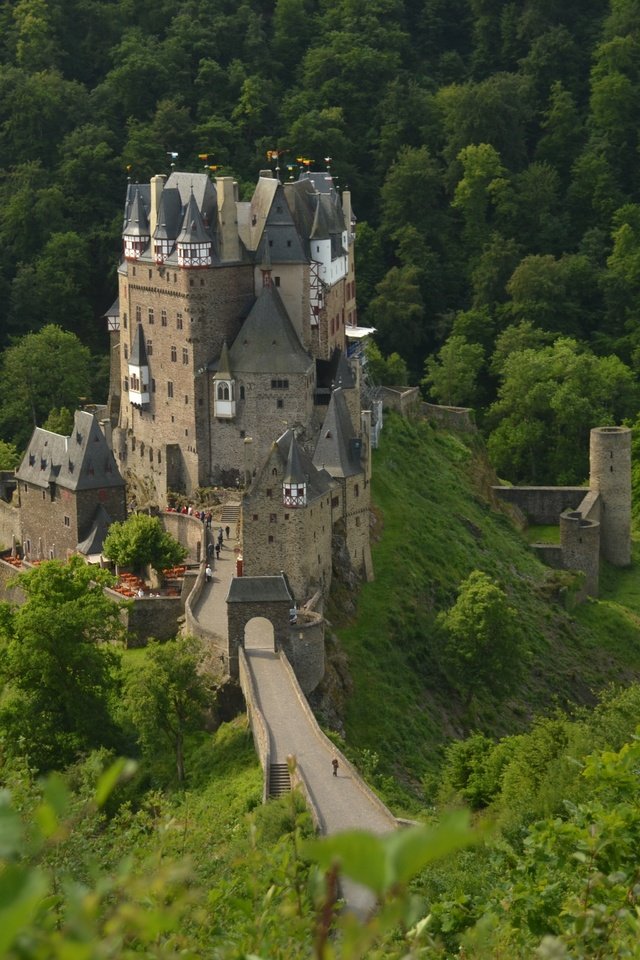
{"x":223,"y":391}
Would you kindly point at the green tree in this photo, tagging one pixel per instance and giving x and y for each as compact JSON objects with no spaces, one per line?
{"x":142,"y":540}
{"x":59,"y":664}
{"x":60,"y":420}
{"x":482,"y":641}
{"x":451,"y":377}
{"x":40,"y":371}
{"x":167,"y":695}
{"x":387,"y":371}
{"x":9,"y":456}
{"x":548,"y":401}
{"x":397,"y":311}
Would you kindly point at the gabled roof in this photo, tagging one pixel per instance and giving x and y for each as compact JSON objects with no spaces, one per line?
{"x":338,"y":447}
{"x":82,"y":461}
{"x":169,"y":215}
{"x":137,"y":223}
{"x":268,"y":342}
{"x":138,"y":356}
{"x":193,"y":228}
{"x":258,"y":589}
{"x":100,"y":524}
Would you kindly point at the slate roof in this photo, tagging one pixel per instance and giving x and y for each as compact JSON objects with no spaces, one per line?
{"x":335,"y":372}
{"x":258,"y":590}
{"x":82,"y":461}
{"x":193,"y":228}
{"x":100,"y":524}
{"x":138,"y":356}
{"x":268,"y":342}
{"x":294,"y":471}
{"x":144,"y":190}
{"x":318,"y":481}
{"x":338,"y":447}
{"x":223,"y":371}
{"x":137,"y":221}
{"x":113,"y":311}
{"x":169,"y":215}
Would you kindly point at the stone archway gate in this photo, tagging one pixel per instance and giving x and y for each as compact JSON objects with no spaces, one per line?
{"x":251,"y":597}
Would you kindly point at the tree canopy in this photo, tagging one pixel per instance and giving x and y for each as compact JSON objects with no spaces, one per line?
{"x":140,"y":540}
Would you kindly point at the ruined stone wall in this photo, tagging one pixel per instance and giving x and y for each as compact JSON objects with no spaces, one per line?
{"x":542,"y":504}
{"x":10,"y":525}
{"x":580,"y":542}
{"x":453,"y":418}
{"x":404,"y":400}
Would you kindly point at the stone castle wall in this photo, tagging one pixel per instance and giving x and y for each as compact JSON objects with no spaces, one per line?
{"x":542,"y":505}
{"x":188,"y":531}
{"x":10,"y":525}
{"x":304,"y":648}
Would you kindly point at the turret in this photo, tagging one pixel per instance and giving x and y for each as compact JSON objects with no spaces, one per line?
{"x":610,"y":476}
{"x":224,"y":387}
{"x":136,"y":233}
{"x":194,"y":241}
{"x":139,"y":370}
{"x":294,"y":483}
{"x":163,"y":242}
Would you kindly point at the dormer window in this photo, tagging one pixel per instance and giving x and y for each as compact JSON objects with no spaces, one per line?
{"x":225,"y":398}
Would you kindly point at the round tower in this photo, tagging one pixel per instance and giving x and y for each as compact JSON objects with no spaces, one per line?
{"x":580,"y":541}
{"x":610,"y":476}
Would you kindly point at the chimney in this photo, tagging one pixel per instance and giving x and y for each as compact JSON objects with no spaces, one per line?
{"x":227,"y":191}
{"x":105,"y":426}
{"x":157,"y":186}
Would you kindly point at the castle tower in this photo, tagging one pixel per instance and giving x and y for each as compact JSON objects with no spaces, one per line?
{"x":610,"y":476}
{"x":580,"y":541}
{"x":136,"y":234}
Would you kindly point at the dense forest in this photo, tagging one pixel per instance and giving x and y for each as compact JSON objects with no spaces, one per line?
{"x":490,"y":147}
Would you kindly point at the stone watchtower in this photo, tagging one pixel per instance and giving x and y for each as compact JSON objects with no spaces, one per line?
{"x":610,"y":465}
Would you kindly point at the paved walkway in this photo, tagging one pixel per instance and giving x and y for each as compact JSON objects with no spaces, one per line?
{"x":211,"y":608}
{"x":340,"y":801}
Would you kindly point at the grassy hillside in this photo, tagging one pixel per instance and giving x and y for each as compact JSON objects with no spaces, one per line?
{"x":436,"y":522}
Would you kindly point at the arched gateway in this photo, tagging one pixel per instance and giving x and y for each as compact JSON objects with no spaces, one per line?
{"x":250,"y":602}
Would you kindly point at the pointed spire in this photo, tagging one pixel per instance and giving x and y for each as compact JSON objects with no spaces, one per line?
{"x":137,"y":225}
{"x":224,"y":364}
{"x":138,"y":356}
{"x":294,"y":472}
{"x":193,"y":228}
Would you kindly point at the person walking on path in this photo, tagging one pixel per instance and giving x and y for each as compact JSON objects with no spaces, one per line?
{"x":208,"y":573}
{"x":227,"y":530}
{"x":220,"y":537}
{"x":218,"y":550}
{"x":334,"y":764}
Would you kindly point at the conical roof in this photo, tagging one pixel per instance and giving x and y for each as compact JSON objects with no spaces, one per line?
{"x":224,"y":364}
{"x":335,"y":449}
{"x":138,"y":356}
{"x":193,"y":228}
{"x":138,"y":224}
{"x":294,"y":471}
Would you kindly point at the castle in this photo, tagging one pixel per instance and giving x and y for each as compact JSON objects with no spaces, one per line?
{"x":235,"y":360}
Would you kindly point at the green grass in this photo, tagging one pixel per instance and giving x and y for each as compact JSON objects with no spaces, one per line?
{"x":543,"y":533}
{"x":436,"y":522}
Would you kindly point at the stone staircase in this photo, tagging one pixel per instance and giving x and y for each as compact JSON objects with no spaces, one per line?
{"x":279,"y":780}
{"x":230,"y":513}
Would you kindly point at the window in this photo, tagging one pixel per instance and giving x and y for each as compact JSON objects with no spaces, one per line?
{"x":242,"y":393}
{"x":149,"y":348}
{"x":269,"y":492}
{"x":277,"y":281}
{"x":126,"y":351}
{"x":153,"y":385}
{"x":125,"y":320}
{"x":125,"y":384}
{"x":178,"y":321}
{"x":150,"y":274}
{"x":286,"y":516}
{"x":138,"y":314}
{"x":163,"y":318}
{"x":185,"y":355}
{"x":274,"y":472}
{"x":243,"y":434}
{"x":273,"y":518}
{"x":44,"y":494}
{"x":186,"y":398}
{"x":357,"y":521}
{"x":356,"y":490}
{"x":150,"y":454}
{"x":151,"y":315}
{"x":255,"y":516}
{"x":67,"y":522}
{"x":174,"y":354}
{"x":279,"y":384}
{"x":280,"y":404}
{"x":223,"y":391}
{"x":170,"y":389}
{"x":270,"y":539}
{"x":335,"y":501}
